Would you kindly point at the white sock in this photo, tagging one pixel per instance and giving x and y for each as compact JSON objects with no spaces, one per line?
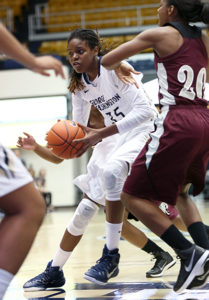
{"x":113,"y":234}
{"x":5,"y":279}
{"x":60,"y":258}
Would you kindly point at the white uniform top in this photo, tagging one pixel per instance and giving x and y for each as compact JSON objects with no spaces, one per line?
{"x":119,"y":103}
{"x":13,"y":174}
{"x":131,"y":110}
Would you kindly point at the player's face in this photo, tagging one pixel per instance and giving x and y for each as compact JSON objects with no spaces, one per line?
{"x":81,"y":57}
{"x":163,"y":12}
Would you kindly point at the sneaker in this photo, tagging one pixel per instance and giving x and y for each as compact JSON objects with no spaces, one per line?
{"x":164,"y":261}
{"x":200,"y":281}
{"x":52,"y":277}
{"x":194,"y":262}
{"x":105,"y":268}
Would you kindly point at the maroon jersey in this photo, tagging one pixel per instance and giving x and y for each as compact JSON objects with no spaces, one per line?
{"x":182,"y":75}
{"x":178,"y":150}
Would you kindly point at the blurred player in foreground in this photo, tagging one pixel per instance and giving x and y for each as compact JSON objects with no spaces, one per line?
{"x":20,"y":201}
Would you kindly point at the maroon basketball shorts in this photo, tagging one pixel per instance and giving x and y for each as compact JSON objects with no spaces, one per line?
{"x":177,"y":153}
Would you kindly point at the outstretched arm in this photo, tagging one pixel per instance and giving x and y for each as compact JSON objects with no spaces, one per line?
{"x":142,"y":41}
{"x":162,"y":39}
{"x":29,"y":143}
{"x":10,"y":46}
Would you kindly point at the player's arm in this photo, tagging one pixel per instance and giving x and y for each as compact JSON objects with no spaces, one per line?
{"x":10,"y":46}
{"x":81,"y":109}
{"x":140,"y":113}
{"x":144,"y":40}
{"x":29,"y":143}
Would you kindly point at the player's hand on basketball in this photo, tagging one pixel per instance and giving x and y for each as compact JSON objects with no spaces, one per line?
{"x":44,"y":63}
{"x":124,"y":72}
{"x":91,"y":138}
{"x":27,"y":143}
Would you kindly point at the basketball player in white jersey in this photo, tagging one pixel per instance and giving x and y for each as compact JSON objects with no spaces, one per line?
{"x":128,"y":109}
{"x":120,"y":104}
{"x":21,"y":203}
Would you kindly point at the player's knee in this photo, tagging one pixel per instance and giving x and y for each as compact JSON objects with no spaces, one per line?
{"x":85,"y":211}
{"x":110,"y":178}
{"x":115,"y":174}
{"x":37,"y":210}
{"x":34,"y":210}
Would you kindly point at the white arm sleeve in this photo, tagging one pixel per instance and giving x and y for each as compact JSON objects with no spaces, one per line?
{"x":141,"y":107}
{"x":81,"y":110}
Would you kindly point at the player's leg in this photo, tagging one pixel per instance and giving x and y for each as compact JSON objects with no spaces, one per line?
{"x":181,"y":226}
{"x":89,"y":184}
{"x":178,"y":222}
{"x":192,"y":219}
{"x":163,"y":259}
{"x":136,"y":237}
{"x":155,"y":174}
{"x":115,"y":174}
{"x":53,"y":275}
{"x":198,"y":236}
{"x":190,"y":254}
{"x":197,"y":229}
{"x":24,"y":210}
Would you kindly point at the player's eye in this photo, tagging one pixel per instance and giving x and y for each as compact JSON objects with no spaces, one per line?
{"x":81,"y":51}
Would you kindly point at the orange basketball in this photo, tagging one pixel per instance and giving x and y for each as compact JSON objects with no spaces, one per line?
{"x":60,"y":138}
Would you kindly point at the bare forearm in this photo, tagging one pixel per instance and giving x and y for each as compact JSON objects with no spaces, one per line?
{"x":108,"y":131}
{"x":10,"y":46}
{"x":46,"y":154}
{"x":112,"y":59}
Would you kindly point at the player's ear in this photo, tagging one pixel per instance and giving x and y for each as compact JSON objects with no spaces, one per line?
{"x":96,"y":50}
{"x":172,"y":10}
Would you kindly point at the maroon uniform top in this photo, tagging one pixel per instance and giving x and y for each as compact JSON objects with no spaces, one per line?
{"x":182,"y":75}
{"x":178,"y":150}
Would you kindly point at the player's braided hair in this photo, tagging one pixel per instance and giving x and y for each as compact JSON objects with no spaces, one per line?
{"x":93,"y":40}
{"x":192,"y":10}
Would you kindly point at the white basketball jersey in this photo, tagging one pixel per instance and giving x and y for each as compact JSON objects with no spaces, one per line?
{"x":119,"y":103}
{"x":13,"y":174}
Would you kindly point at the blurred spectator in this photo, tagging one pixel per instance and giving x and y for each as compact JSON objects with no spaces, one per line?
{"x":32,"y":173}
{"x":41,"y":185}
{"x":18,"y":154}
{"x":41,"y":180}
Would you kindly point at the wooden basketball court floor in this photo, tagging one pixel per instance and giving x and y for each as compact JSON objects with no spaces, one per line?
{"x":131,"y":283}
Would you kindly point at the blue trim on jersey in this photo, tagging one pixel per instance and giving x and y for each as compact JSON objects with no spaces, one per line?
{"x":85,"y":75}
{"x":8,"y":173}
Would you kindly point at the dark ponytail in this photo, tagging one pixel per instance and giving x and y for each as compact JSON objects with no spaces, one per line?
{"x":192,"y":10}
{"x":205,"y":12}
{"x":93,"y":40}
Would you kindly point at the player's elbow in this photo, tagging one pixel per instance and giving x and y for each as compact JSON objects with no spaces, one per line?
{"x":58,"y":161}
{"x":148,"y":113}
